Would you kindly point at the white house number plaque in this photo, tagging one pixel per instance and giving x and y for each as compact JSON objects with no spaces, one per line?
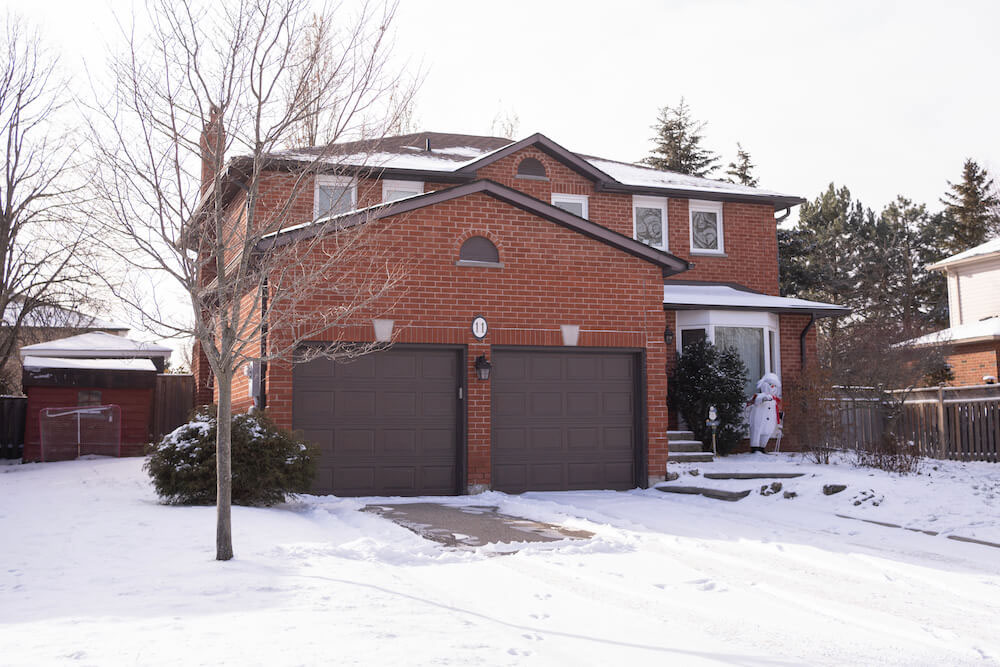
{"x":479,"y":327}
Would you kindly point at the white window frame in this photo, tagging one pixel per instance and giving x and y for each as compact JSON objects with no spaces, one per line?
{"x":710,"y":319}
{"x":694,"y":206}
{"x":576,"y":199}
{"x":339,"y":181}
{"x":412,"y":187}
{"x":639,"y":201}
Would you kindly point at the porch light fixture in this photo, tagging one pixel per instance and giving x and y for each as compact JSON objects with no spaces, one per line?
{"x":383,"y":330}
{"x":483,"y":367}
{"x":570,"y":334}
{"x":668,"y":336}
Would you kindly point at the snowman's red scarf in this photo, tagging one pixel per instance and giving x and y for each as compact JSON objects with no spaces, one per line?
{"x":777,"y":404}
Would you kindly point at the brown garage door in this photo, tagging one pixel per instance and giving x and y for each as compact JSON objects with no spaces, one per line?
{"x":563,"y":420}
{"x":386,"y":423}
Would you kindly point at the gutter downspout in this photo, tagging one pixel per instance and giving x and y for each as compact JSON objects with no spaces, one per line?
{"x":262,"y":367}
{"x":802,"y":340}
{"x":783,"y":216}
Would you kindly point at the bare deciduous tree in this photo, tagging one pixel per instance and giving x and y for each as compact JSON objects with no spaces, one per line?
{"x":43,"y":274}
{"x":199,"y":190}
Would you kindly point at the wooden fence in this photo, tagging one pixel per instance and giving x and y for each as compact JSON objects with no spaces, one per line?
{"x":172,"y":403}
{"x":960,"y":423}
{"x":13,"y":410}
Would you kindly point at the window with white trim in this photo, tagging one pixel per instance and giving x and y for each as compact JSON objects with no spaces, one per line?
{"x":706,"y":227}
{"x":334,"y":195}
{"x":393,"y":190}
{"x":575,"y":204}
{"x":649,"y":221}
{"x":754,"y":336}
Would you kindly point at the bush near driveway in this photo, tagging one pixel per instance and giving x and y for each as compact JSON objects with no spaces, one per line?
{"x":706,"y":376}
{"x":269,"y":463}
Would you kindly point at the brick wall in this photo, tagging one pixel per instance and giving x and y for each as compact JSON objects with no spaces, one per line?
{"x":551,"y":276}
{"x":971,"y":362}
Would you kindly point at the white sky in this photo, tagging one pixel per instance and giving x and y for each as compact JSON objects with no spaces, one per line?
{"x":885,"y":97}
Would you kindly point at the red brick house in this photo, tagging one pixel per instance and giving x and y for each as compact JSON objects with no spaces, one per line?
{"x":973,"y":338}
{"x":574,"y":279}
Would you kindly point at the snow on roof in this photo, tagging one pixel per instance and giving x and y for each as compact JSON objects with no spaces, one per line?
{"x":963,"y":333}
{"x":725,"y":296}
{"x":640,"y":176}
{"x":435,"y":160}
{"x":56,"y":317}
{"x":38,"y":363}
{"x":96,"y":344}
{"x":989,"y":248}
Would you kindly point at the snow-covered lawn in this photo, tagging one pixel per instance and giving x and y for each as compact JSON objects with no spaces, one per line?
{"x":93,"y":571}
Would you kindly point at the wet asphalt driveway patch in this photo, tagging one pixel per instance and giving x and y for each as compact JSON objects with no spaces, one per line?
{"x":471,"y":526}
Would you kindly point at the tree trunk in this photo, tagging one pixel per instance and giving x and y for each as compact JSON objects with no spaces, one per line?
{"x":224,"y":472}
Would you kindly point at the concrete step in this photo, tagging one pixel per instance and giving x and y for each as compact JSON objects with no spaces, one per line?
{"x":680,"y":435}
{"x":753,"y":475}
{"x":690,"y":457}
{"x":717,"y":494}
{"x":685,"y":446}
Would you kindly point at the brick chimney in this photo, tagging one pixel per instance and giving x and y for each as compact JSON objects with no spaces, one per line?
{"x":213,"y":147}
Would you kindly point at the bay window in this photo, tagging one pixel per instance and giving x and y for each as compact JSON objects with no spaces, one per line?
{"x":754,"y":336}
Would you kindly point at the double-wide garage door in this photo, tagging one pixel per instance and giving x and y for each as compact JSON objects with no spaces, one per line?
{"x":389,"y":423}
{"x":386,"y":423}
{"x":563,"y":420}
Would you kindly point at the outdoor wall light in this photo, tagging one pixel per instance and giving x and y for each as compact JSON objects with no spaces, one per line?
{"x":383,"y":330}
{"x":668,"y":336}
{"x":570,"y":334}
{"x":483,"y":367}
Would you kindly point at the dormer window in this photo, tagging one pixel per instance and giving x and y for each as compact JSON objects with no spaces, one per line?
{"x":649,"y":221}
{"x":334,"y":195}
{"x":393,"y":190}
{"x":575,"y":204}
{"x":529,"y":167}
{"x":706,"y":228}
{"x":479,"y":251}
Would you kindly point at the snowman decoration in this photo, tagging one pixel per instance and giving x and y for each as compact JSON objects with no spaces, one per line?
{"x":764,"y":412}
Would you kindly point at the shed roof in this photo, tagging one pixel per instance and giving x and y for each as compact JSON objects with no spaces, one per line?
{"x":96,"y":344}
{"x":62,"y":363}
{"x":973,"y":332}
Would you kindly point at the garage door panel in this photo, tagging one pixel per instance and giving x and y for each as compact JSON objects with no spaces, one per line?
{"x":578,"y":428}
{"x":390,"y":418}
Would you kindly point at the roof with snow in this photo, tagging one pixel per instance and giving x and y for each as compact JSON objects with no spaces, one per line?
{"x":96,"y":344}
{"x":57,"y":317}
{"x":455,"y":158}
{"x":690,"y":296}
{"x":63,"y":363}
{"x":973,"y":332}
{"x":982,"y":251}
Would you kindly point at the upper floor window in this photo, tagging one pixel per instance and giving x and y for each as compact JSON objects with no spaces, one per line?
{"x":479,"y":251}
{"x":529,"y":167}
{"x":575,"y":204}
{"x":393,"y":190}
{"x":649,"y":221}
{"x":334,"y":195}
{"x":706,"y":227}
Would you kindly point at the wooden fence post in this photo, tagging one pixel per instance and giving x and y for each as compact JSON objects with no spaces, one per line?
{"x":942,"y":428}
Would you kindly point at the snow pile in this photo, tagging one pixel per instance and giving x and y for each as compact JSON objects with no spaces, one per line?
{"x":96,"y":572}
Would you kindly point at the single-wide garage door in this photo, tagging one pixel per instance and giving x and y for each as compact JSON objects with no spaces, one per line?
{"x":386,"y":423}
{"x":563,"y":420}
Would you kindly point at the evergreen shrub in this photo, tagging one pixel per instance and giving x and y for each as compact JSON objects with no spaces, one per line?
{"x":269,"y":464}
{"x":706,"y":376}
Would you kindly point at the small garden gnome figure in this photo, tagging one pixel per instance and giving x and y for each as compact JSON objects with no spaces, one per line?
{"x":764,"y":409}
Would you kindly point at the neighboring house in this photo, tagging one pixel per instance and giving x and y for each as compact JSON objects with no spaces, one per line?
{"x":973,"y":336}
{"x":44,"y":324}
{"x":589,"y":275}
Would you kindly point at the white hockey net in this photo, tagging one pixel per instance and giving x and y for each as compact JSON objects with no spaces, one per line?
{"x":68,"y":433}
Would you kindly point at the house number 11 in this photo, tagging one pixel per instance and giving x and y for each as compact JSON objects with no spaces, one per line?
{"x":479,"y":327}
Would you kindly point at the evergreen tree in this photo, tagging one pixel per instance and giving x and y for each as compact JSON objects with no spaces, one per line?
{"x":678,"y":143}
{"x":973,"y":211}
{"x":741,"y":171}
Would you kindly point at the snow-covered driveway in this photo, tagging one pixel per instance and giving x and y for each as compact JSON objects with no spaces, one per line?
{"x":93,"y":571}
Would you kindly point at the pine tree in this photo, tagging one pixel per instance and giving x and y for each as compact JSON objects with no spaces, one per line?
{"x":741,"y":171}
{"x":973,"y":211}
{"x":678,"y":143}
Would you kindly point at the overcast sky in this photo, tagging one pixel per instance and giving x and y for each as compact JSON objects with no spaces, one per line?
{"x":885,"y":97}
